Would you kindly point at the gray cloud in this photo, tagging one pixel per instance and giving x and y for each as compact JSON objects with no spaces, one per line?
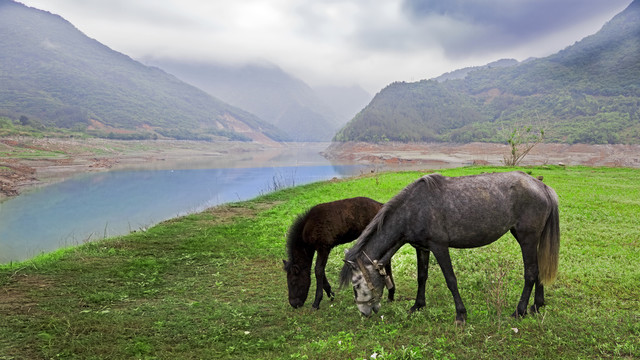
{"x":339,"y":42}
{"x":490,"y":25}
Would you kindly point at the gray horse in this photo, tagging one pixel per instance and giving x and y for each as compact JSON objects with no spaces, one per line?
{"x":435,"y":213}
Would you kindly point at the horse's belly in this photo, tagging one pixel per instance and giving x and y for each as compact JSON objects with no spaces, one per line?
{"x":471,"y":239}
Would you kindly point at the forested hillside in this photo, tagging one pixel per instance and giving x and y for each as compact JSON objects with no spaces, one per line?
{"x":54,"y":75}
{"x":587,"y":93}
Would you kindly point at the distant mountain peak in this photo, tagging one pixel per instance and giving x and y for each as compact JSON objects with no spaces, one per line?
{"x":52,"y":72}
{"x":304,"y":113}
{"x":588,"y":92}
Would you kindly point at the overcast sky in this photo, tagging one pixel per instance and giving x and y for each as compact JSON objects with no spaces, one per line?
{"x":339,"y":42}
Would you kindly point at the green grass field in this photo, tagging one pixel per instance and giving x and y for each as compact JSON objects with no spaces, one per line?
{"x":211,"y":285}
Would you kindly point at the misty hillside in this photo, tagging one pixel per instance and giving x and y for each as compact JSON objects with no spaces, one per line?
{"x":52,"y":73}
{"x":346,"y":102}
{"x":273,"y":95}
{"x":587,"y":93}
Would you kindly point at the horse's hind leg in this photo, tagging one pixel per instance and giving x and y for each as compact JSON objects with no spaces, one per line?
{"x":321,"y":279}
{"x":444,"y":260}
{"x":327,"y":287}
{"x":530,"y":259}
{"x":538,"y":300}
{"x":423,"y":274}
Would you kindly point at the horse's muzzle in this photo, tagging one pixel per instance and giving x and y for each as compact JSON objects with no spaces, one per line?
{"x":296,"y":303}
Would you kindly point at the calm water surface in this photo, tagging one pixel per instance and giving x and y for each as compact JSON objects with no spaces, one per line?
{"x":93,"y":206}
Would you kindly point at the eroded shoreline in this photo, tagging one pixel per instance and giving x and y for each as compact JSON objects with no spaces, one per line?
{"x":450,"y":155}
{"x":30,"y":162}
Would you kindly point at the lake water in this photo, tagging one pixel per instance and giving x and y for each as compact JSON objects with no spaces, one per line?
{"x":93,"y":206}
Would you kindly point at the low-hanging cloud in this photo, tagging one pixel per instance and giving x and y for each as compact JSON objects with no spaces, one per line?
{"x":338,"y":42}
{"x":481,"y":26}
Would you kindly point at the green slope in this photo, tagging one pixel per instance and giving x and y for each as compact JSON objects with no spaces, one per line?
{"x":52,"y":72}
{"x":586,"y":93}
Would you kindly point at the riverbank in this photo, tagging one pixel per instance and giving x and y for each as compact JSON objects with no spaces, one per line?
{"x":30,"y":162}
{"x":438,"y":155}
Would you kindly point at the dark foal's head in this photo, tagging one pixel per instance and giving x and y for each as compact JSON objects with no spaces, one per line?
{"x":298,"y":282}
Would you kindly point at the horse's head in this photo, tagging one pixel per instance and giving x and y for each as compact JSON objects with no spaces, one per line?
{"x":368,"y":283}
{"x":298,"y":282}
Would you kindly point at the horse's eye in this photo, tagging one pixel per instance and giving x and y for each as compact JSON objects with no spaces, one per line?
{"x":357,"y":287}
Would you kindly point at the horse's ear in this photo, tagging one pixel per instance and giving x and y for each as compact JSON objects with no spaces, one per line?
{"x":351,"y":264}
{"x":286,"y":265}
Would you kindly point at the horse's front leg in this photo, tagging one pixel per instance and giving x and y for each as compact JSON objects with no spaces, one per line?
{"x":321,"y":279}
{"x":444,"y":260}
{"x":392,"y":291}
{"x":423,"y":275}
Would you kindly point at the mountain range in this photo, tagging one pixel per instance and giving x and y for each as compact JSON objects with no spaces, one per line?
{"x":587,"y":93}
{"x":302,"y":112}
{"x":52,"y":73}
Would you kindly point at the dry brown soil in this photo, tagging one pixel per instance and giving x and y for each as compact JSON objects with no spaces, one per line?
{"x":449,"y":155}
{"x":29,"y":162}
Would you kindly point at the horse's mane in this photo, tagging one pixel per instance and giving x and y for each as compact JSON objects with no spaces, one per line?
{"x":294,"y":236}
{"x":431,"y":182}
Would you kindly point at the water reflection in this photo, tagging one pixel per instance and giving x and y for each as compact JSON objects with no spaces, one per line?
{"x":92,"y":206}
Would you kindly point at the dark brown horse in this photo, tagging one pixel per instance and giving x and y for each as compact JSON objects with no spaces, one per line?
{"x":320,"y":229}
{"x":435,"y":213}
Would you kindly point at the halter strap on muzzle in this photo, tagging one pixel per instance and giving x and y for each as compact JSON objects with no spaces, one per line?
{"x":381,"y":270}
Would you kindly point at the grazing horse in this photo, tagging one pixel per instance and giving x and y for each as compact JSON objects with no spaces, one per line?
{"x":320,"y":229}
{"x":435,"y":213}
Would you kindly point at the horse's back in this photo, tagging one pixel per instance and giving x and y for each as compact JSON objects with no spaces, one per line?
{"x":340,"y":221}
{"x":476,"y":210}
{"x":495,"y":190}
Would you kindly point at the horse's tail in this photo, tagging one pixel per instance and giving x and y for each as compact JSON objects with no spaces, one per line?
{"x":549,"y":245}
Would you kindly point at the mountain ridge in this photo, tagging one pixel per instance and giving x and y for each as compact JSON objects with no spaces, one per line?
{"x":52,"y":72}
{"x":588,"y":92}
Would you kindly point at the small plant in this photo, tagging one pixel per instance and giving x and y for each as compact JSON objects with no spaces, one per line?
{"x":497,"y":286}
{"x":521,"y":140}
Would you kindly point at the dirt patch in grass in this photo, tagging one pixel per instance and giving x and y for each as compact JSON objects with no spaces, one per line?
{"x":228,"y":213}
{"x":16,"y":297}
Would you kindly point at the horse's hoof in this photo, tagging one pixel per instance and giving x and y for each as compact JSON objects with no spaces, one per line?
{"x":534,"y":309}
{"x":415,"y":308}
{"x":459,"y":323}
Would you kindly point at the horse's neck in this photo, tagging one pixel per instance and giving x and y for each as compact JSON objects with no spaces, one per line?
{"x":301,"y":255}
{"x":382,"y":251}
